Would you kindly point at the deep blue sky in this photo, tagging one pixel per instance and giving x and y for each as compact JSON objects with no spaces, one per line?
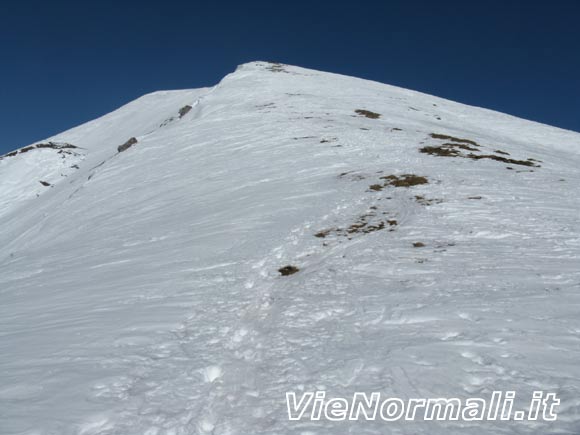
{"x":63,"y":63}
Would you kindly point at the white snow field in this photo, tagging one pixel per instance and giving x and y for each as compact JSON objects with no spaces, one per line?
{"x":140,"y":293}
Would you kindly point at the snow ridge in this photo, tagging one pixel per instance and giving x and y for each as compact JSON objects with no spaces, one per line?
{"x":435,"y":248}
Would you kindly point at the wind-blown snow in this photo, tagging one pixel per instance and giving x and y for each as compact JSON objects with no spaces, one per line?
{"x":140,"y":293}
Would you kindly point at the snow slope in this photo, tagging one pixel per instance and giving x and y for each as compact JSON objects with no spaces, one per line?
{"x":140,"y":293}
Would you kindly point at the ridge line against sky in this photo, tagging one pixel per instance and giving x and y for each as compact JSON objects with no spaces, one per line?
{"x":65,"y":63}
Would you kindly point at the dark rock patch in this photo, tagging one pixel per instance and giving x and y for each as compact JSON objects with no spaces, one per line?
{"x":365,"y":227}
{"x":127,"y":145}
{"x":322,"y":234}
{"x":184,"y":111}
{"x":366,"y":223}
{"x":452,"y":139}
{"x":56,"y":146}
{"x":460,"y":146}
{"x":276,"y":67}
{"x":405,"y":180}
{"x":368,"y":113}
{"x":426,"y":202}
{"x":440,"y":151}
{"x":288,"y":270}
{"x":454,"y":150}
{"x":52,"y":145}
{"x":502,"y":159}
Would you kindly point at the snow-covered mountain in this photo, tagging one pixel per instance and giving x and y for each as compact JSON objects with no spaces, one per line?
{"x":176,"y":266}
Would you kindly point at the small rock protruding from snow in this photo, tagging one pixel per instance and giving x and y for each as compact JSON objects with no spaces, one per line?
{"x":127,"y":145}
{"x":288,"y":270}
{"x":368,"y":114}
{"x":184,"y":111}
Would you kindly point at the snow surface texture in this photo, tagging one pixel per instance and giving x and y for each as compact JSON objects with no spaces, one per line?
{"x":140,"y":293}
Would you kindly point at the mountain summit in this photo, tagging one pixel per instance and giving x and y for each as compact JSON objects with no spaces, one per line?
{"x":177,"y":266}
